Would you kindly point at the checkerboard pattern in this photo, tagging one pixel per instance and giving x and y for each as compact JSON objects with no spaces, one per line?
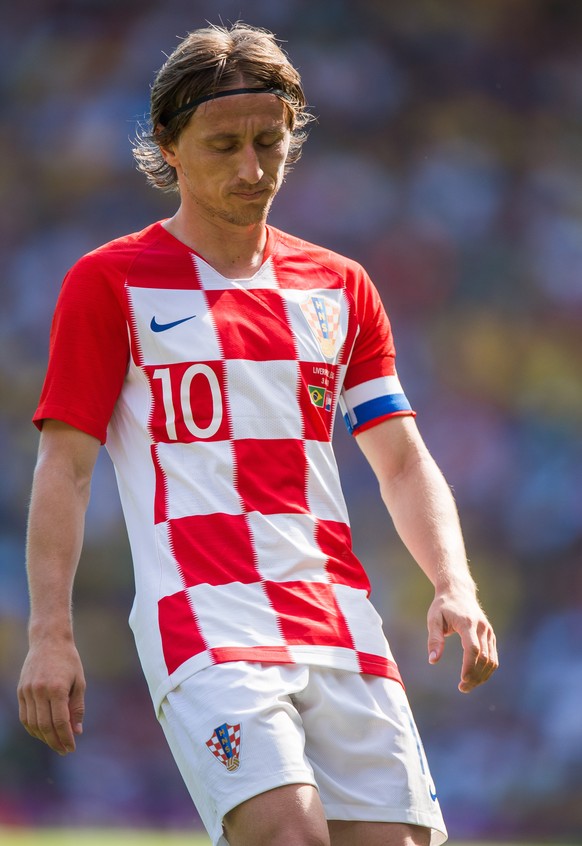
{"x":221,"y":440}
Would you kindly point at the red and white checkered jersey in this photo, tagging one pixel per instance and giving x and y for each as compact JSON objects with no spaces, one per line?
{"x":217,"y":400}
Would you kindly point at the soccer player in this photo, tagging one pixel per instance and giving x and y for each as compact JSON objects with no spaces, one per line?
{"x":211,"y":352}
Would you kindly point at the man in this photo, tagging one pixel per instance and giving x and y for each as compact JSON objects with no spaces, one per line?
{"x":211,"y":352}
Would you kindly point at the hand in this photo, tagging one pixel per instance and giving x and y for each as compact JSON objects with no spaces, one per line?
{"x":51,"y":695}
{"x":461,"y":613}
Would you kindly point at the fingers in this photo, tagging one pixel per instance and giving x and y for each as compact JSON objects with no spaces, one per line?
{"x":436,"y":645}
{"x":77,"y":708}
{"x":48,"y":720}
{"x":480,"y":659}
{"x":45,"y":715}
{"x":27,"y":714}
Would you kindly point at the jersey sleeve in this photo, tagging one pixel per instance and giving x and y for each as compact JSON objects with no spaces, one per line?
{"x":88,"y":351}
{"x":371,"y":390}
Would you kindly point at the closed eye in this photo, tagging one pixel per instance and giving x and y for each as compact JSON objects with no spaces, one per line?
{"x":223,"y":146}
{"x":232,"y":147}
{"x":269,"y":140}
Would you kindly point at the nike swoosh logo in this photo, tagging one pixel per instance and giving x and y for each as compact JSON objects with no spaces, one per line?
{"x":161,"y":327}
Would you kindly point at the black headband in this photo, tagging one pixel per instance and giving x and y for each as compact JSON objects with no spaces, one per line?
{"x":193,"y":103}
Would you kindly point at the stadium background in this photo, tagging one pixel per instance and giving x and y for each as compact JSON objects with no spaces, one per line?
{"x":447,"y":158}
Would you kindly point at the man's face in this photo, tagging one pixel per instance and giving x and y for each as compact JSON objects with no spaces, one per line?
{"x":230,"y":158}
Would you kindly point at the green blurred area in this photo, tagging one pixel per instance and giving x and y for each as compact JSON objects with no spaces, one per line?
{"x":113,"y":837}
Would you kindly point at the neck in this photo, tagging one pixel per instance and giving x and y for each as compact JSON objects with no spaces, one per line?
{"x":235,"y":252}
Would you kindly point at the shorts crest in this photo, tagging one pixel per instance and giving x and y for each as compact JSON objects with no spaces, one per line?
{"x":225,"y":745}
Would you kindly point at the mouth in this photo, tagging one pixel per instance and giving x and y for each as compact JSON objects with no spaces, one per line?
{"x":253,"y":195}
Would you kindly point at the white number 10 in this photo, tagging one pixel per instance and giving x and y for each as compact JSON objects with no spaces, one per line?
{"x":163,"y":374}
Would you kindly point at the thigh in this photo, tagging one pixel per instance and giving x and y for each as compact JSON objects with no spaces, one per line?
{"x":366,"y":753}
{"x":351,"y":833}
{"x":235,"y":734}
{"x":292,"y":815}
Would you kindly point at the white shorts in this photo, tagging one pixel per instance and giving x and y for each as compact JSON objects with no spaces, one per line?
{"x":239,"y":729}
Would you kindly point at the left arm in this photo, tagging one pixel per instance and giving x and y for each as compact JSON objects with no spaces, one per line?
{"x":425,"y":516}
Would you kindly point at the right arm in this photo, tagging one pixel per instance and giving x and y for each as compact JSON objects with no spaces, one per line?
{"x":52,"y":684}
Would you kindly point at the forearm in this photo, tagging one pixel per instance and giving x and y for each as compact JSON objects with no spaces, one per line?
{"x":419,"y":501}
{"x":425,"y":516}
{"x":55,"y":536}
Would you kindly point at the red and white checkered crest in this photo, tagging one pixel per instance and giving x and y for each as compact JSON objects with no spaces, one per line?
{"x":225,"y":745}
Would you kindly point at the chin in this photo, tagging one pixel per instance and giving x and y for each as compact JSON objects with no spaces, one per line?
{"x":249,"y":216}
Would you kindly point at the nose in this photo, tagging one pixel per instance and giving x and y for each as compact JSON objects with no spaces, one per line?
{"x":249,"y":166}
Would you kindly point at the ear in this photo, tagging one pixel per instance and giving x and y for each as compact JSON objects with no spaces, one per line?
{"x":168,"y":152}
{"x":169,"y":156}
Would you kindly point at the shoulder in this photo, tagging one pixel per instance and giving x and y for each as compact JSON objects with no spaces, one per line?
{"x":117,"y":256}
{"x":290,"y":248}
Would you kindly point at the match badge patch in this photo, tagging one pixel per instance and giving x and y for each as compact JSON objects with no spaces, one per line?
{"x":323,"y":317}
{"x":320,"y":397}
{"x":225,"y":745}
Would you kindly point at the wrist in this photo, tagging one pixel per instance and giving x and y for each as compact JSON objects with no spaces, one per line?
{"x":50,"y":630}
{"x":447,"y":585}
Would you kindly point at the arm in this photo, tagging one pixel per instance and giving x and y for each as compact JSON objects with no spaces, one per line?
{"x":52,"y":684}
{"x":425,"y":516}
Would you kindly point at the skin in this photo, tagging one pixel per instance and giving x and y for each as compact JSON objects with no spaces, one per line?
{"x":424,"y":513}
{"x":230,"y":162}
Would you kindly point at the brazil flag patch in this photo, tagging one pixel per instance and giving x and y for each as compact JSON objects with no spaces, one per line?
{"x":320,"y":397}
{"x":317,"y":395}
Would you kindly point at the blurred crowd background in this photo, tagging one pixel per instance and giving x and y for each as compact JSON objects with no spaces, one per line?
{"x":447,"y":158}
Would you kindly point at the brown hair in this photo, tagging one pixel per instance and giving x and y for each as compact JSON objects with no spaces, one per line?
{"x":206,"y":62}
